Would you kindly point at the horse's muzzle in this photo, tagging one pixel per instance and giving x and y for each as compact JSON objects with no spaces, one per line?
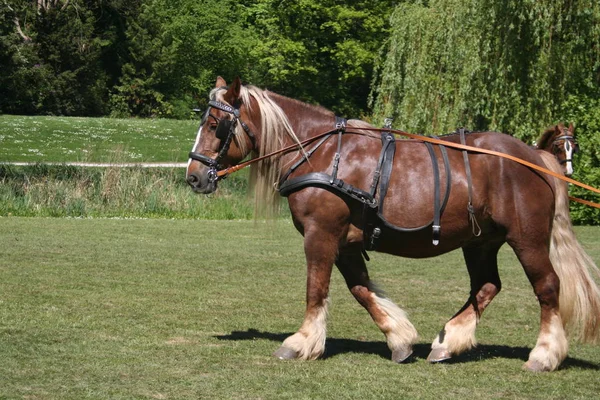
{"x":204,"y":183}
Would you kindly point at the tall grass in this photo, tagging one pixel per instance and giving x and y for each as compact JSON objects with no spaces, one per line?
{"x":69,"y":191}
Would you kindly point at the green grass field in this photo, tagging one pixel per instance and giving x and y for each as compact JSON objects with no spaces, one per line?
{"x":183,"y":309}
{"x":63,"y":139}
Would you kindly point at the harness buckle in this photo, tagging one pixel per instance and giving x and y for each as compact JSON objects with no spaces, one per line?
{"x":436,"y":234}
{"x":387,"y":123}
{"x":212,"y":175}
{"x":374,"y":237}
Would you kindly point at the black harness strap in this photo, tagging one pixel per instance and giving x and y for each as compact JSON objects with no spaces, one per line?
{"x":470,"y":209}
{"x":340,"y":125}
{"x":383,"y":171}
{"x":225,"y":132}
{"x":321,"y":179}
{"x":436,"y":226}
{"x":387,"y":159}
{"x":325,"y":181}
{"x":373,"y":218}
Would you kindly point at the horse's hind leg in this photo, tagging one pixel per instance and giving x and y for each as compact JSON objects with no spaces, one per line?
{"x":399,"y":332}
{"x":458,"y":335}
{"x":552,"y":345}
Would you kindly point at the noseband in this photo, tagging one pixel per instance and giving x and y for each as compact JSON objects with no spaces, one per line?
{"x":225,"y":131}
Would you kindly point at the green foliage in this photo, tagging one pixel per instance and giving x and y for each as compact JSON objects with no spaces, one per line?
{"x":159,"y":58}
{"x":176,"y":50}
{"x":485,"y":64}
{"x":320,"y":51}
{"x":585,"y":111}
{"x":55,"y":65}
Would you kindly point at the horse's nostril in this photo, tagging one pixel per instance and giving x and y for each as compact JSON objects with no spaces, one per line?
{"x":193,"y":179}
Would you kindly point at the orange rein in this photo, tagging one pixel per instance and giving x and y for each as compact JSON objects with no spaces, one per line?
{"x":421,"y":138}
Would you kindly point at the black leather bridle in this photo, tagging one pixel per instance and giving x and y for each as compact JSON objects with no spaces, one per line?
{"x":567,"y":138}
{"x":225,"y":131}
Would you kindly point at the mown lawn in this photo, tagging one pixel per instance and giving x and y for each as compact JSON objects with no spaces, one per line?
{"x":63,"y":139}
{"x":183,"y":309}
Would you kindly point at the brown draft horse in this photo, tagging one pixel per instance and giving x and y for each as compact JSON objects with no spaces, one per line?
{"x":511,"y":203}
{"x":560,"y":141}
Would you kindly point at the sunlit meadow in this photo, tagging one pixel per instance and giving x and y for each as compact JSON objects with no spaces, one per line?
{"x":64,"y":139}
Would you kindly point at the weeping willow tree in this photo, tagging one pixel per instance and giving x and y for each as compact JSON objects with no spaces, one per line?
{"x":484,"y":64}
{"x":515,"y":66}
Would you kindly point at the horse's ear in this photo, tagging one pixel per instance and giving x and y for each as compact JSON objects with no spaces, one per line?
{"x":558,"y":128}
{"x":571,"y":127}
{"x":220,"y":82}
{"x":233,"y":93}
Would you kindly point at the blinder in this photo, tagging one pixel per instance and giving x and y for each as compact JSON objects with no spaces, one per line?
{"x":223,"y":129}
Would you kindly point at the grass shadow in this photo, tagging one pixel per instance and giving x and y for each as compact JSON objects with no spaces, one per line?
{"x":333,"y":346}
{"x":337,"y":346}
{"x":486,"y":352}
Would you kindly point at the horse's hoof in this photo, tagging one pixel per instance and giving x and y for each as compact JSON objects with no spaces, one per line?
{"x":535,"y":366}
{"x":438,"y":355}
{"x":401,"y":354}
{"x":285,"y":353}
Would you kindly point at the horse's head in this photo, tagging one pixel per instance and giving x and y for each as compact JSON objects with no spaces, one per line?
{"x":564,"y":145}
{"x":560,"y":141}
{"x":225,"y":136}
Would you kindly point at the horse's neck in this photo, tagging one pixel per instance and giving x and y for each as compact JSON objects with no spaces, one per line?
{"x":545,"y":142}
{"x":306,"y":120}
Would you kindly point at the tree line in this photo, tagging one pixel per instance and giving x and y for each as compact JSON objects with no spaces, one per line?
{"x":160,"y":57}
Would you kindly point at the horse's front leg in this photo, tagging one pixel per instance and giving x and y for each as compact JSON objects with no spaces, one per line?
{"x":308,"y":343}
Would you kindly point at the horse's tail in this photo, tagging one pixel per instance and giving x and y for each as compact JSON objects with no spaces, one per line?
{"x":579,"y":294}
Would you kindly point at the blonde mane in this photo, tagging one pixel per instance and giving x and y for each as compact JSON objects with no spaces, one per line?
{"x":264,"y":175}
